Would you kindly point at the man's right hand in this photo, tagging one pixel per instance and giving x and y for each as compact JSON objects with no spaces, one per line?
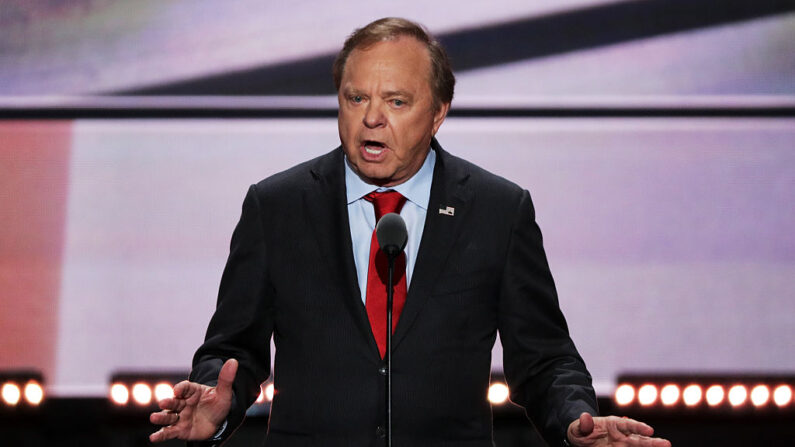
{"x":196,"y":411}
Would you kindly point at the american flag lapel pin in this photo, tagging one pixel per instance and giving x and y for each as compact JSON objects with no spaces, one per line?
{"x":449,"y":211}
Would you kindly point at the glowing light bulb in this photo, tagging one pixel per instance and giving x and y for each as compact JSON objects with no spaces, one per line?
{"x":669,"y":394}
{"x":692,"y":395}
{"x":738,"y":394}
{"x":647,"y":394}
{"x":782,"y":396}
{"x":715,"y":395}
{"x":11,"y":393}
{"x":498,"y":393}
{"x":163,"y":391}
{"x":34,"y":393}
{"x":142,"y":393}
{"x":119,"y":394}
{"x":625,"y":394}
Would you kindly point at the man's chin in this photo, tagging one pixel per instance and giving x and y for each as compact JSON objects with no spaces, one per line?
{"x":377,"y":177}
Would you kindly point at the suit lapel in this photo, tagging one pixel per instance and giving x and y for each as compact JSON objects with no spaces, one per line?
{"x":448,"y":189}
{"x":325,"y":202}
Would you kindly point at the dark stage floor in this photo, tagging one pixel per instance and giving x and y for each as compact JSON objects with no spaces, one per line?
{"x":95,"y":422}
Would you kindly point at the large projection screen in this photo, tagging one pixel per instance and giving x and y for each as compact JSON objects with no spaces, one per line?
{"x":670,"y":239}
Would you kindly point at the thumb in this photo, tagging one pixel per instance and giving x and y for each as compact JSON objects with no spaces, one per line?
{"x":586,"y":424}
{"x":225,"y":378}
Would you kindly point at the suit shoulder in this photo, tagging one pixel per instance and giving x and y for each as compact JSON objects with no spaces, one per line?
{"x":295,"y":179}
{"x":483,"y":180}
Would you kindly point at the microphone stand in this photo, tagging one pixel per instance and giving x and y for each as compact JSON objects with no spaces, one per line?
{"x":392,"y":236}
{"x":388,"y":354}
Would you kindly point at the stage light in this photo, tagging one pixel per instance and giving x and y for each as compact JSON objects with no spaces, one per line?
{"x":262,"y":404}
{"x":142,"y":393}
{"x":269,"y":389}
{"x":760,"y":395}
{"x":669,"y":394}
{"x":692,"y":395}
{"x":738,"y":394}
{"x":715,"y":395}
{"x":34,"y":393}
{"x":265,"y":393}
{"x":624,"y":394}
{"x":11,"y":393}
{"x":782,"y":395}
{"x":261,"y":396}
{"x":119,"y":394}
{"x":163,"y":391}
{"x":21,"y":388}
{"x":647,"y":394}
{"x":498,"y":393}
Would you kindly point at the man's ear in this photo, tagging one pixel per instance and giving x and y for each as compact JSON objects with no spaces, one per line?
{"x":439,"y":115}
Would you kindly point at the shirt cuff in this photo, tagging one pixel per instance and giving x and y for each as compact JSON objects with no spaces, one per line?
{"x":217,"y":436}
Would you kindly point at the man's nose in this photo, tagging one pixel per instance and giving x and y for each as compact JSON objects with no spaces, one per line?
{"x":374,"y":115}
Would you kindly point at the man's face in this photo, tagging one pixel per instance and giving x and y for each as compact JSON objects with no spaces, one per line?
{"x":387,"y":116}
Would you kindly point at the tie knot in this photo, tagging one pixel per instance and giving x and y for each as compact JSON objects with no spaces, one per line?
{"x":385,"y":202}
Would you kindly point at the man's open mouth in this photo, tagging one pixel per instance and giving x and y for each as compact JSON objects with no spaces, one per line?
{"x":374,"y":147}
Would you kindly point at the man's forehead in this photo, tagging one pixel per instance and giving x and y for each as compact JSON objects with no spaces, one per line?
{"x":407,"y":46}
{"x":405,"y":54}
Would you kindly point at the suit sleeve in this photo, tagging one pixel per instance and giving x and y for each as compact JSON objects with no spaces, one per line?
{"x":543,"y":369}
{"x":242,"y":324}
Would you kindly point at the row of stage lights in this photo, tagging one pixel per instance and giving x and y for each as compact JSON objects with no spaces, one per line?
{"x":142,"y":389}
{"x":21,"y":388}
{"x":713,"y":393}
{"x":145,"y":391}
{"x":144,"y":394}
{"x":32,"y":393}
{"x":693,"y":395}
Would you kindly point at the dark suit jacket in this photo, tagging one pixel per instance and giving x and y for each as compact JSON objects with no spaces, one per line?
{"x":291,"y":273}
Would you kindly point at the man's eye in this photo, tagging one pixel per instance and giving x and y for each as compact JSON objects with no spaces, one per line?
{"x":398,"y":102}
{"x":356,"y":98}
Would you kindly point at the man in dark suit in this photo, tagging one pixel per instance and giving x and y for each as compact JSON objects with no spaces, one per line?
{"x":302,"y":269}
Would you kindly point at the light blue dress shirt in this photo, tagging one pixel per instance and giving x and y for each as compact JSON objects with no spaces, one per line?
{"x":361,"y":216}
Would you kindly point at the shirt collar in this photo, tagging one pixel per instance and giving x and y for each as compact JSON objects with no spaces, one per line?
{"x":417,"y":189}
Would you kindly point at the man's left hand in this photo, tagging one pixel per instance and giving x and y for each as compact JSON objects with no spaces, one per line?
{"x":612,"y":431}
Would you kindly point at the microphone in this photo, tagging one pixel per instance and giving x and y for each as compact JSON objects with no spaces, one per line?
{"x":391,"y":234}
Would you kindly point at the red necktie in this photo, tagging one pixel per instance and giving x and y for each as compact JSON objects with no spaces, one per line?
{"x":377,"y":273}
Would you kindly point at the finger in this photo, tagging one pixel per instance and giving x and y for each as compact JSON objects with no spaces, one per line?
{"x":173,"y":405}
{"x":586,"y":424}
{"x":225,"y":378}
{"x":636,"y":440}
{"x":630,"y":426}
{"x":167,"y":404}
{"x":164,"y":418}
{"x":650,"y":442}
{"x":616,"y":434}
{"x":185,"y":389}
{"x":164,"y":434}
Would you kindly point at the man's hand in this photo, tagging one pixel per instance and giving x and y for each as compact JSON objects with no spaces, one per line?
{"x":196,"y":411}
{"x":612,"y":431}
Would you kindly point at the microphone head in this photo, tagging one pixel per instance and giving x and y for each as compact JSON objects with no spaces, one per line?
{"x":391,"y":234}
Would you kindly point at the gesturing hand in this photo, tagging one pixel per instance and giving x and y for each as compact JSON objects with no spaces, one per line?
{"x":612,"y":431}
{"x":196,"y":411}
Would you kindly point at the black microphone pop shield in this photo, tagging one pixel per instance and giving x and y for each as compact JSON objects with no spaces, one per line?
{"x":391,"y":234}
